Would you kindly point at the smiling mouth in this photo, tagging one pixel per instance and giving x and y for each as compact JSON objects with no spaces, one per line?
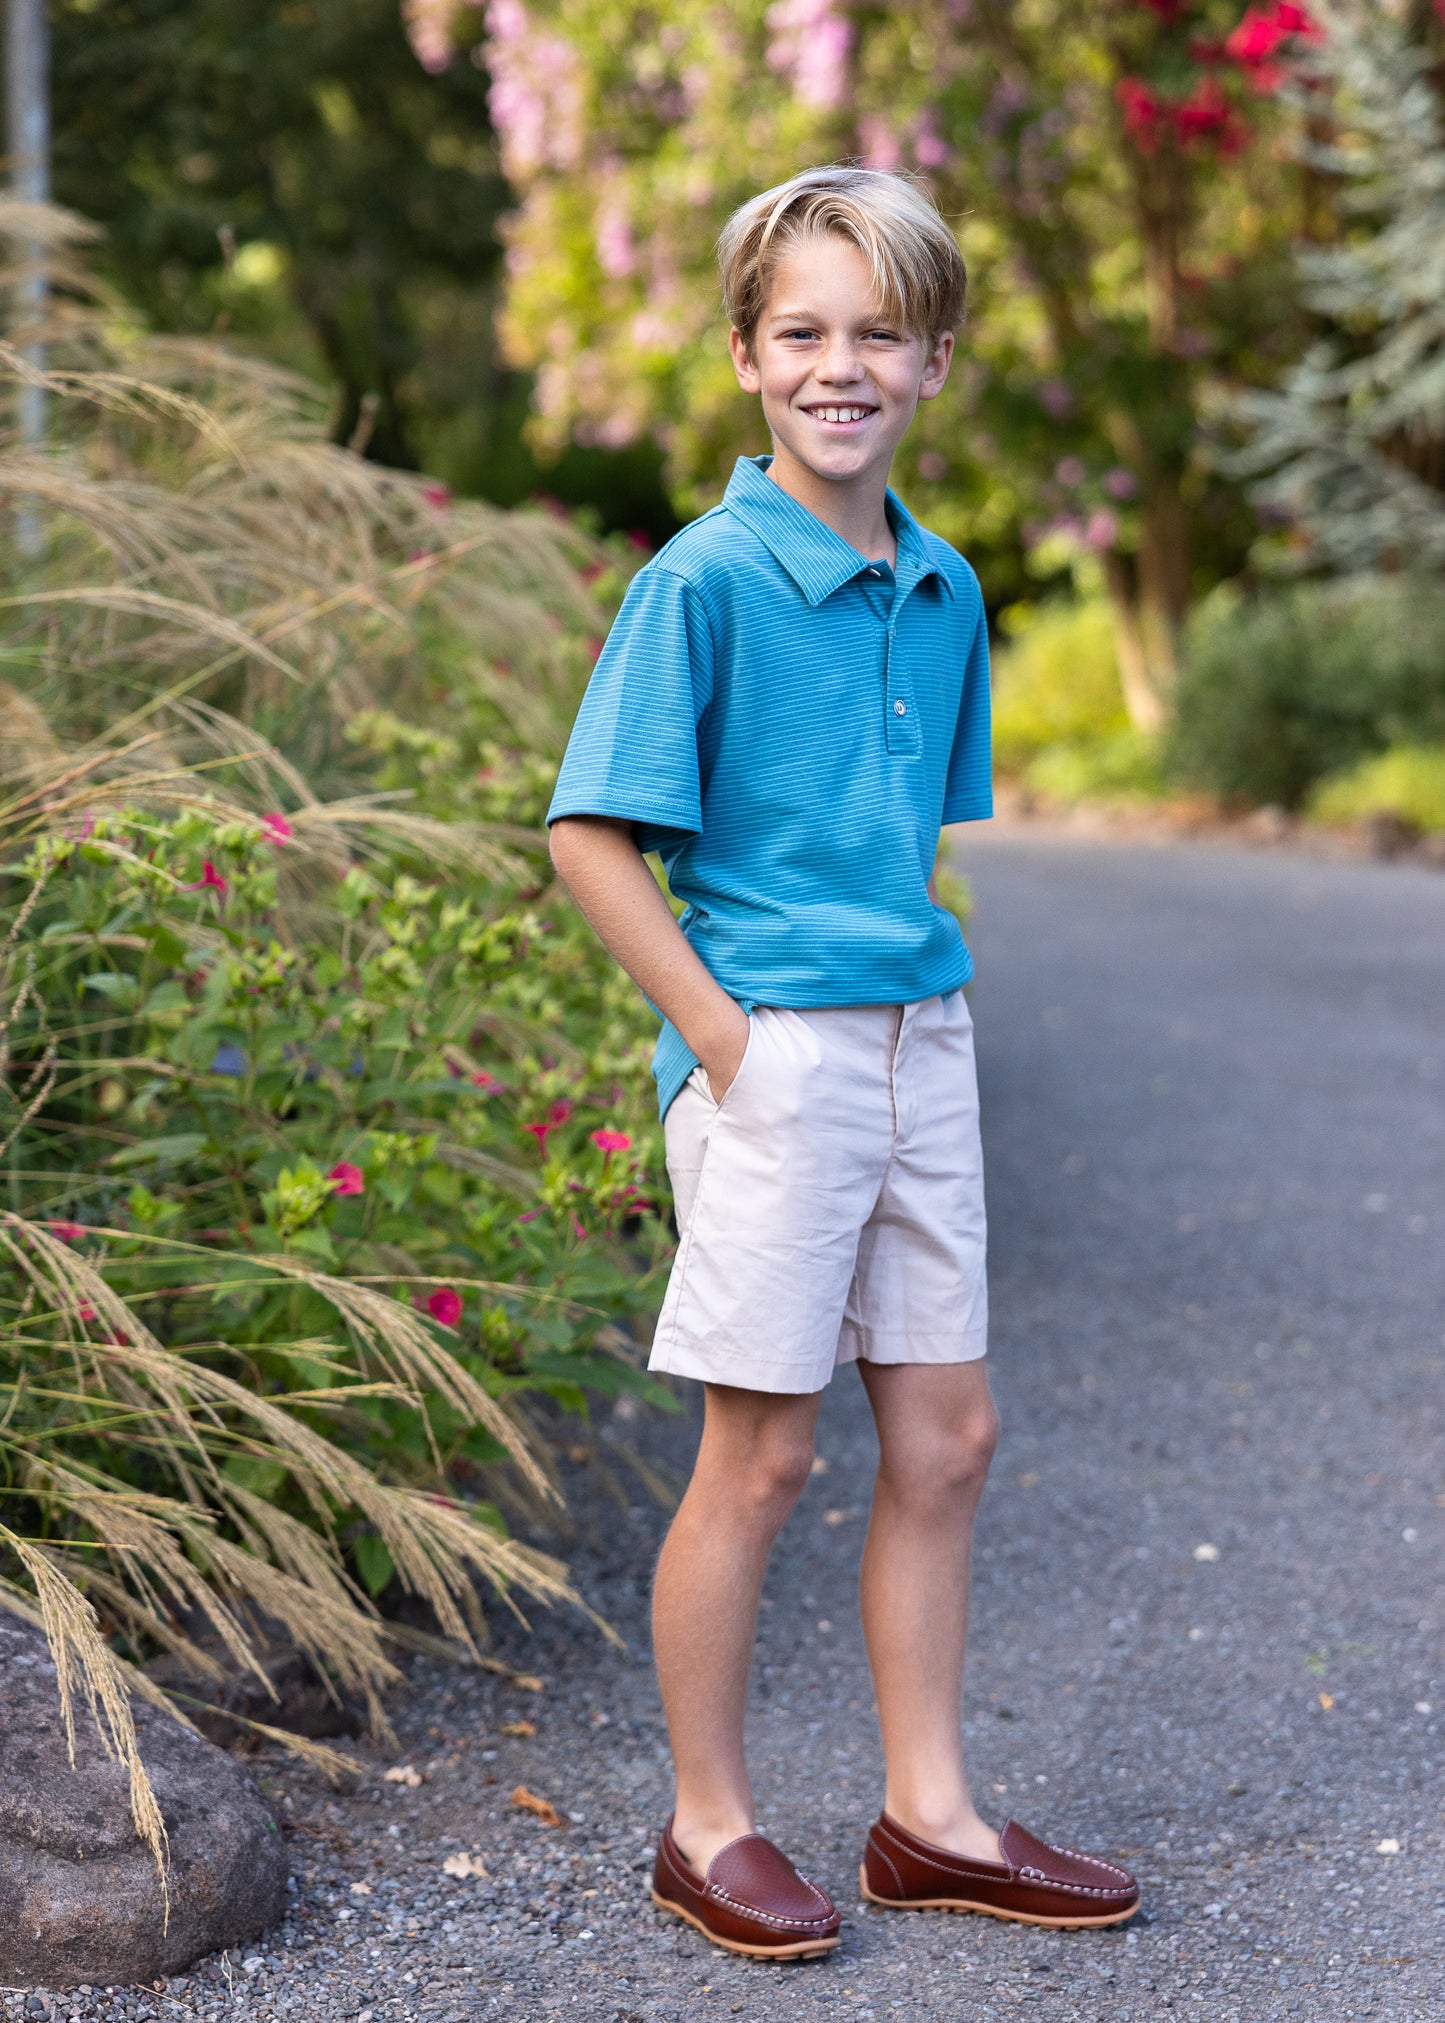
{"x":840,"y":412}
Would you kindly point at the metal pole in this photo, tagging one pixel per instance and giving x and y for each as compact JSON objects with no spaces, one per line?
{"x":27,"y":139}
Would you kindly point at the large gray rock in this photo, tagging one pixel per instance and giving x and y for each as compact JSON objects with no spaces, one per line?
{"x":79,"y":1896}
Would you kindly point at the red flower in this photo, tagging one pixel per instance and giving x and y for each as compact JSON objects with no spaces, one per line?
{"x":1143,"y":113}
{"x":1259,"y":35}
{"x":68,"y":1232}
{"x":437,"y":496}
{"x":86,"y":1310}
{"x":485,"y":1081}
{"x":445,"y":1305}
{"x":210,"y":877}
{"x":612,"y":1141}
{"x":278,"y":829}
{"x":347,"y":1179}
{"x":560,"y":1111}
{"x":1207,"y":115}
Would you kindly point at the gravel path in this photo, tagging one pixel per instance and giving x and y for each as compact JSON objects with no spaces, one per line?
{"x":1208,"y":1615}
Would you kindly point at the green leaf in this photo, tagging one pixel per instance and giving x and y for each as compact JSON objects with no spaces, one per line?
{"x":167,"y":947}
{"x":256,"y":1473}
{"x":121,"y":990}
{"x":374,"y":1563}
{"x":160,"y":1151}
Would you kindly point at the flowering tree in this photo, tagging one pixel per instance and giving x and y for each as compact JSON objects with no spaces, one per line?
{"x":1353,"y":441}
{"x":1100,"y":160}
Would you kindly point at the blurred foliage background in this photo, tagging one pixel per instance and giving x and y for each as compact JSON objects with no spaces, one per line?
{"x":382,"y":342}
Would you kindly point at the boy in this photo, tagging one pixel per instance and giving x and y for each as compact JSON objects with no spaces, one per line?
{"x":793,"y":700}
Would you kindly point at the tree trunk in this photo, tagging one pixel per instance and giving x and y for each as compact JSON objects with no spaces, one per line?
{"x":1149,"y":596}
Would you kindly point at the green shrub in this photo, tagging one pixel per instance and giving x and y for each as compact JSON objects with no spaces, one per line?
{"x":1055,"y":682}
{"x":1286,"y":687}
{"x":1121,"y":766}
{"x":326,"y":1125}
{"x":1407,"y":782}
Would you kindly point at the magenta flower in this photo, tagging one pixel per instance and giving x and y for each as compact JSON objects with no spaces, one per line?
{"x":445,"y":1305}
{"x":278,"y":829}
{"x":612,"y":1141}
{"x":347,"y":1179}
{"x":483,"y":1080}
{"x":578,"y":1231}
{"x":439,"y":497}
{"x":68,"y":1232}
{"x":86,"y":1310}
{"x":210,"y":878}
{"x":557,"y":1113}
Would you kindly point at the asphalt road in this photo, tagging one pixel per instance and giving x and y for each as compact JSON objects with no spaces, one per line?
{"x":1208,"y":1616}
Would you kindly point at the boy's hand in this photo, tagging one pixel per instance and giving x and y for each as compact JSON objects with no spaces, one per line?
{"x":722,"y":1059}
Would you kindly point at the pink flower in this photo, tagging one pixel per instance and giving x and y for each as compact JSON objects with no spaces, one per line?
{"x":438,"y":496}
{"x":210,"y":877}
{"x":68,"y":1232}
{"x":86,"y":1310}
{"x":278,"y":829}
{"x":347,"y":1179}
{"x":612,"y":1141}
{"x":445,"y":1305}
{"x":1120,"y":484}
{"x":483,"y":1080}
{"x":810,"y":46}
{"x":1102,"y":529}
{"x":578,"y":1231}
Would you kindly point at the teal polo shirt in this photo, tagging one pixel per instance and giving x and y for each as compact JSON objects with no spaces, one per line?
{"x":788,"y":725}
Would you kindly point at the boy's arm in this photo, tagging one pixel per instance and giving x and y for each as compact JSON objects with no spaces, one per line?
{"x":608,"y":876}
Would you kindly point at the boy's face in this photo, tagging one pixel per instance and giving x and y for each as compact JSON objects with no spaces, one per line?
{"x":839,"y":383}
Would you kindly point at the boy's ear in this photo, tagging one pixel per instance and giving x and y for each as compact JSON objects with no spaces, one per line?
{"x":745,"y":365}
{"x":935,"y":373}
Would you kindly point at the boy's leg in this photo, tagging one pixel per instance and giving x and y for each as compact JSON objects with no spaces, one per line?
{"x":757,"y":1449}
{"x":937,"y":1427}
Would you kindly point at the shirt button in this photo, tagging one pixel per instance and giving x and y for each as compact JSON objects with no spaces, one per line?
{"x":900,"y":709}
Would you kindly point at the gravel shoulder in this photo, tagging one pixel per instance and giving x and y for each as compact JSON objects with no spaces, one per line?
{"x":1208,"y":1615}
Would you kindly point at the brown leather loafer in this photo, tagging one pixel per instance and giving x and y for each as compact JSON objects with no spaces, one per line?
{"x":1034,"y":1884}
{"x":752,"y":1900}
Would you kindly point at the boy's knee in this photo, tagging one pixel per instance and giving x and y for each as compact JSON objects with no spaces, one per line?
{"x":775,"y":1474}
{"x":950,"y":1459}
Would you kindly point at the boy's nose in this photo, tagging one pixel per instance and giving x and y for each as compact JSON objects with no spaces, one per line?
{"x":842,"y":367}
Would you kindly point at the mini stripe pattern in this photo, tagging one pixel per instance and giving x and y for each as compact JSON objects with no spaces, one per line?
{"x":790,"y":724}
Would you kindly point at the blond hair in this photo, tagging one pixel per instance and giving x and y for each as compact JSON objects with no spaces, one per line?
{"x":918,"y":273}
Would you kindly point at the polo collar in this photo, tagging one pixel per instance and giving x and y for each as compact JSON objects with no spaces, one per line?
{"x":818,"y":560}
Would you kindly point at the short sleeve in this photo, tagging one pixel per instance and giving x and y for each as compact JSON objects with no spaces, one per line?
{"x":968,"y":791}
{"x":633,"y":749}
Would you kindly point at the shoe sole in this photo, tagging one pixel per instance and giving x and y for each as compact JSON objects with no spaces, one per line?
{"x":800,"y":1949}
{"x":991,"y":1910}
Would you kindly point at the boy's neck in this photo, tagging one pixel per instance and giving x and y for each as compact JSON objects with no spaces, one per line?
{"x":855,"y":509}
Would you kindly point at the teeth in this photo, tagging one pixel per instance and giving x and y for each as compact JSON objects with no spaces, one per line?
{"x":841,"y":413}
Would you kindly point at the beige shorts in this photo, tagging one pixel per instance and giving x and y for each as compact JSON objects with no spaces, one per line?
{"x":831,"y":1206}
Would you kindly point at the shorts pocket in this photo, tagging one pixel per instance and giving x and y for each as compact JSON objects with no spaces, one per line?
{"x":742,"y":1068}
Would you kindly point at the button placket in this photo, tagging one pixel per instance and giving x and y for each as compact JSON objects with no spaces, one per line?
{"x":901,"y":734}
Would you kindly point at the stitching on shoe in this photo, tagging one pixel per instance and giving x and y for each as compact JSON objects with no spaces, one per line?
{"x":959,"y":1864}
{"x":1038,"y":1875}
{"x":1093,"y":1861}
{"x":884,"y":1856}
{"x":769,"y":1917}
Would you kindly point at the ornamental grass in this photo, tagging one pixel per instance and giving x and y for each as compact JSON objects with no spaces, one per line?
{"x":325,"y":1128}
